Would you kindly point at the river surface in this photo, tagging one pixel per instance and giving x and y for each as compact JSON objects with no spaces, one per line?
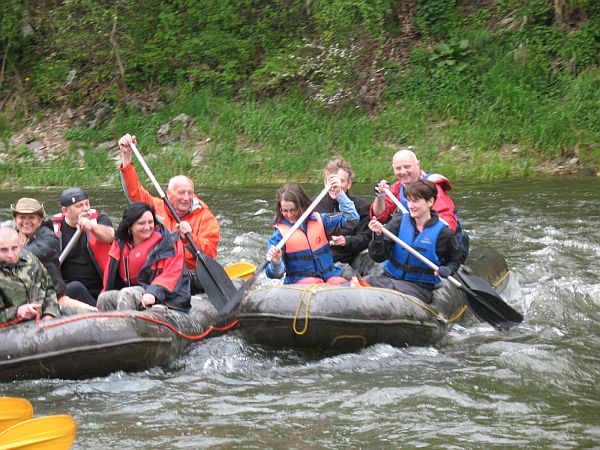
{"x":535,"y":386}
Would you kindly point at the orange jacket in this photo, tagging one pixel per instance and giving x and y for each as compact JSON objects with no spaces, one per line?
{"x":206,"y":231}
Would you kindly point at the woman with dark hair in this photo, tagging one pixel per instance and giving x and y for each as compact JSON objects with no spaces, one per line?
{"x":306,"y":258}
{"x":146,"y":265}
{"x":422,"y":229}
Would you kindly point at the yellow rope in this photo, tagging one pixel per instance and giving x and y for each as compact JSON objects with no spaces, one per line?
{"x":458,"y":315}
{"x":308,"y":292}
{"x":501,"y":279}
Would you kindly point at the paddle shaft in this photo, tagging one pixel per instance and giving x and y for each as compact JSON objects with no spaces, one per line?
{"x":215,"y":282}
{"x":396,"y":239}
{"x":399,"y":241}
{"x":397,"y":202}
{"x":237,"y":298}
{"x":492,"y":309}
{"x":67,"y":250}
{"x":162,"y":195}
{"x":303,"y":217}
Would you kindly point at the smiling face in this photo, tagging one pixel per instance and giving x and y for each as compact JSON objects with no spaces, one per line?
{"x":407,"y":167}
{"x":420,"y":208}
{"x":289,"y":211}
{"x":73,"y":212}
{"x":142,"y":228}
{"x":181,"y":194}
{"x":28,"y":223}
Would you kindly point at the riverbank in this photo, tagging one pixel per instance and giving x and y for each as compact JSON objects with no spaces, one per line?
{"x":221,"y":142}
{"x":249,"y":94}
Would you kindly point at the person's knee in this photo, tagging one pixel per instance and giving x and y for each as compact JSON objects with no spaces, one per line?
{"x":78,"y":291}
{"x":106,"y":302}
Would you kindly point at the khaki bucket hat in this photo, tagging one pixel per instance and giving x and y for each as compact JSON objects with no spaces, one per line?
{"x":27,"y":205}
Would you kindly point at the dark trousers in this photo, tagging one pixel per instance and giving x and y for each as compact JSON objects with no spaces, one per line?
{"x":406,"y":287}
{"x":78,"y":291}
{"x":195,"y":283}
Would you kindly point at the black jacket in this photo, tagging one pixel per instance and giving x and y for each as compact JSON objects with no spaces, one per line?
{"x":46,"y":247}
{"x":357,"y":233}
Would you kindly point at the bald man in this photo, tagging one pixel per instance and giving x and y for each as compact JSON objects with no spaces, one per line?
{"x":195,"y":216}
{"x":26,"y":288}
{"x":407,"y":169}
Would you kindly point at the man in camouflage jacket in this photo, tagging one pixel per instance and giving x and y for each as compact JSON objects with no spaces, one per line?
{"x":25,"y":286}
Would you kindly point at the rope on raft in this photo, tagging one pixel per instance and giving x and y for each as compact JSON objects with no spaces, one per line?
{"x":196,"y":337}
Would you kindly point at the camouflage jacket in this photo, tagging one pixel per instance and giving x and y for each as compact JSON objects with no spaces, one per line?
{"x":27,"y":281}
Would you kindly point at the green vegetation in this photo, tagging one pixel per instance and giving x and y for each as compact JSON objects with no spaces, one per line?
{"x":275,"y":88}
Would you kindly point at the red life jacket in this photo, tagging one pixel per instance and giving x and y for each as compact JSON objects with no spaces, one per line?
{"x":133,"y":259}
{"x":97,"y":250}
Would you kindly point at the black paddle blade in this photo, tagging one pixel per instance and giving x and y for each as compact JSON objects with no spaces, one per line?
{"x":218,"y":286}
{"x":235,"y":301}
{"x":486,"y":304}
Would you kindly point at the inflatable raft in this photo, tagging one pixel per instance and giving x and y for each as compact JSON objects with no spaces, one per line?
{"x":96,"y":344}
{"x":349,"y":318}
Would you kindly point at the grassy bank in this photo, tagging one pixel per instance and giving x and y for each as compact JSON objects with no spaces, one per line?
{"x":480,"y":90}
{"x":252,"y":141}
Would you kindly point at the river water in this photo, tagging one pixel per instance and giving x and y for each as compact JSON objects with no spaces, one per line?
{"x":535,"y":386}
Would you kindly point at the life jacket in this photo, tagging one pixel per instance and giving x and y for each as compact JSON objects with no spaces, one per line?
{"x":133,"y":259}
{"x":308,"y":254}
{"x":403,"y":265}
{"x":163,"y":273}
{"x":443,"y":202}
{"x":97,"y":250}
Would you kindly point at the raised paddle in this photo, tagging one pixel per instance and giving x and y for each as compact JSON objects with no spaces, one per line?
{"x":237,"y":298}
{"x":14,"y":410}
{"x":218,"y":286}
{"x":42,"y":433}
{"x":67,"y":250}
{"x":482,"y":299}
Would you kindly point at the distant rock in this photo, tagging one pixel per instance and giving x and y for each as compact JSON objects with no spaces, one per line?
{"x":177,"y":129}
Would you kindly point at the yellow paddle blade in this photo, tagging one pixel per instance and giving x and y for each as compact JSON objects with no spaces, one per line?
{"x":42,"y":433}
{"x":240,"y":270}
{"x":14,"y":410}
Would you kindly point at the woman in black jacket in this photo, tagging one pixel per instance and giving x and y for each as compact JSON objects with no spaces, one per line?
{"x":37,"y":237}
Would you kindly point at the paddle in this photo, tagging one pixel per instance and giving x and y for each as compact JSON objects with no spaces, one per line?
{"x":14,"y":410}
{"x":486,"y":304}
{"x":237,"y":298}
{"x":217,"y":285}
{"x":49,"y":432}
{"x":240,"y":270}
{"x":70,"y":245}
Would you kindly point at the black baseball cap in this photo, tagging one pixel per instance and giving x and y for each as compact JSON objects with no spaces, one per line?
{"x":71,"y":196}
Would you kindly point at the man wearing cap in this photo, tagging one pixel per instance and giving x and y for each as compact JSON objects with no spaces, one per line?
{"x":194,"y":215}
{"x":26,"y":288}
{"x":83,"y":267}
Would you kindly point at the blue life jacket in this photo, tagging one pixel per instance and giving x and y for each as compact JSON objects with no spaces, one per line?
{"x":403,"y":265}
{"x":308,"y":254}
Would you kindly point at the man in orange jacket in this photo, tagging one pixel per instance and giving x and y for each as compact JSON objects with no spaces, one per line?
{"x":194,"y":215}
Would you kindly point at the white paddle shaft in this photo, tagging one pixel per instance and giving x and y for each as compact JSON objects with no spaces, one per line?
{"x":303,"y":217}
